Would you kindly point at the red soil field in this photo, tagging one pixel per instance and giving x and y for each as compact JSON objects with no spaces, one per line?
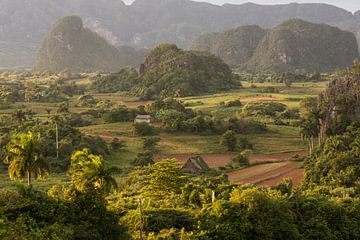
{"x":295,"y":175}
{"x":136,"y":104}
{"x":264,"y":172}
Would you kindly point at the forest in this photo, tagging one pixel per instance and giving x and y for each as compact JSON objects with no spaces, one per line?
{"x":86,"y":194}
{"x":179,"y":120}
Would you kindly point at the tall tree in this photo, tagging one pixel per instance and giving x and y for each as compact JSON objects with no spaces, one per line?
{"x":310,"y":130}
{"x":24,"y":158}
{"x":88,"y":171}
{"x":229,"y":140}
{"x":56,"y":119}
{"x":165,"y":180}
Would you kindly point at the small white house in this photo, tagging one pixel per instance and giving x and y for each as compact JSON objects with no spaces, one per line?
{"x":143,"y":118}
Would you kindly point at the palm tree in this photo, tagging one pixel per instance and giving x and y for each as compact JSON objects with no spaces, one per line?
{"x":24,"y":158}
{"x":48,"y":110}
{"x":88,"y":171}
{"x":309,"y":130}
{"x":19,"y":116}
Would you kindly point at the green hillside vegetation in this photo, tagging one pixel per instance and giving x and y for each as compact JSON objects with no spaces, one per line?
{"x":106,"y":168}
{"x":300,"y":45}
{"x":235,"y":47}
{"x":70,"y":46}
{"x":338,"y":105}
{"x":171,"y":71}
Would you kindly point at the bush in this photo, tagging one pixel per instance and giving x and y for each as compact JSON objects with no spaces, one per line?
{"x":229,"y":140}
{"x":242,"y":126}
{"x":244,"y":144}
{"x":151,"y":142}
{"x":144,"y":159}
{"x":263,"y":109}
{"x":242,"y":158}
{"x":143,"y":129}
{"x":156,"y":220}
{"x":270,"y":90}
{"x":121,"y":114}
{"x":280,"y":122}
{"x":117,"y":145}
{"x":234,"y":103}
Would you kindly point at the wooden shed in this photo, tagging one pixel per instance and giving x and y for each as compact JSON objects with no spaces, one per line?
{"x":196,"y":165}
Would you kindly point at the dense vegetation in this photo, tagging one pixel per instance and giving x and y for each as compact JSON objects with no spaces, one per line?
{"x":296,"y":44}
{"x":157,"y":198}
{"x":292,"y":45}
{"x":170,"y":71}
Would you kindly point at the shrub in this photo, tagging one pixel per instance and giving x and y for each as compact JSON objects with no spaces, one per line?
{"x":121,"y":114}
{"x":242,"y":158}
{"x":244,"y":144}
{"x":117,"y":145}
{"x":144,"y":158}
{"x":229,"y":140}
{"x":151,"y":142}
{"x":143,"y":129}
{"x":234,"y":103}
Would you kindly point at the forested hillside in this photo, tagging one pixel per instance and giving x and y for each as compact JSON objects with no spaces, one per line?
{"x":235,"y":47}
{"x":292,"y":45}
{"x":300,"y":45}
{"x":169,"y":71}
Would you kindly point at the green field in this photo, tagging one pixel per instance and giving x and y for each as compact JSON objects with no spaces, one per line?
{"x":277,"y":140}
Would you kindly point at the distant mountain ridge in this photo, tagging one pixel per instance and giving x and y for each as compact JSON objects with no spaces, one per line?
{"x":235,"y":46}
{"x":144,"y":24}
{"x":292,"y":45}
{"x":300,"y":45}
{"x":71,"y":46}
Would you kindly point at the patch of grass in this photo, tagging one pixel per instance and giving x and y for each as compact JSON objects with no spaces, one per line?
{"x":286,"y":95}
{"x":41,"y":184}
{"x":278,"y":139}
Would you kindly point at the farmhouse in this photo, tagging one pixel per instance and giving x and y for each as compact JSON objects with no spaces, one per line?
{"x":196,"y":165}
{"x":143,"y":118}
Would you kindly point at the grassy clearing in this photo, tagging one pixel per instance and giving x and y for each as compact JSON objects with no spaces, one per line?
{"x":290,"y":96}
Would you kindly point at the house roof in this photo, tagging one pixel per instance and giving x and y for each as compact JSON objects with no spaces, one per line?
{"x":146,"y":117}
{"x":197,"y":162}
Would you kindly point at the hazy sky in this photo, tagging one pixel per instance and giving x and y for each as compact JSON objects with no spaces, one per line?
{"x":351,"y":5}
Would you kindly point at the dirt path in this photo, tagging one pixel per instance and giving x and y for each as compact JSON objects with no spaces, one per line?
{"x":106,"y":137}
